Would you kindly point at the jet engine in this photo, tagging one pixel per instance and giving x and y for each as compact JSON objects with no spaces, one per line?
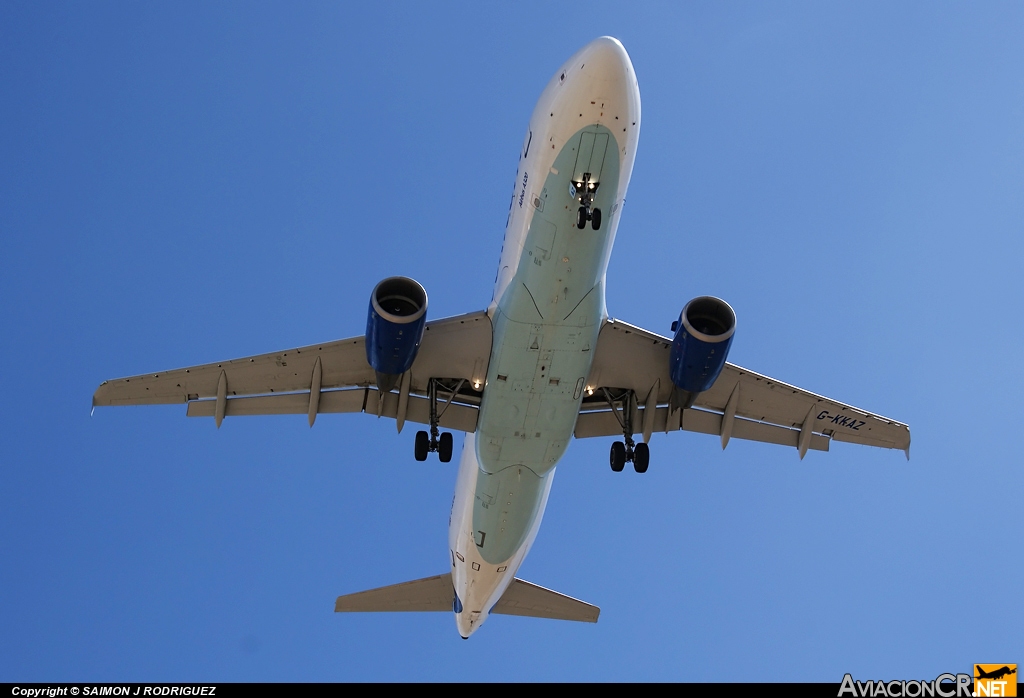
{"x":703,"y":334}
{"x":394,"y":328}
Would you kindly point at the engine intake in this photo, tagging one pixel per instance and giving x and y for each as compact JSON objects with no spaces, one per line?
{"x":701,"y":344}
{"x":394,"y":328}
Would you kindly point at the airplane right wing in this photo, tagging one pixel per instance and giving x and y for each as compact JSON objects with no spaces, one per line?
{"x":631,"y":368}
{"x":328,"y":377}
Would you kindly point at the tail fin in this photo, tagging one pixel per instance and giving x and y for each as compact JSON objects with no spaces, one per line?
{"x":437,"y":594}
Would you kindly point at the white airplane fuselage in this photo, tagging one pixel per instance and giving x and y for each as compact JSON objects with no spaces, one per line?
{"x":547,"y":310}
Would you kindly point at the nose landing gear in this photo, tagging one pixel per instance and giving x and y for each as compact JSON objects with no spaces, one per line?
{"x":584,"y":190}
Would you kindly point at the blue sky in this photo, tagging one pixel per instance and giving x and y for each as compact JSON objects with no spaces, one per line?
{"x":183,"y":183}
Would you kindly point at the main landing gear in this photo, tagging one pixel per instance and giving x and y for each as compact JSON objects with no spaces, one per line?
{"x":626,"y":451}
{"x":585,"y":191}
{"x":435,"y":441}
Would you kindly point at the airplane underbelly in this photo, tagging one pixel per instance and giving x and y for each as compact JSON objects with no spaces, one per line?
{"x":547,"y":320}
{"x":495,"y":519}
{"x":545,"y":330}
{"x":535,"y":387}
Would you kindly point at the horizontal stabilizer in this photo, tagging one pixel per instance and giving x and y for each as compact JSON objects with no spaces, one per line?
{"x":526,"y":599}
{"x":430,"y":594}
{"x":437,"y":594}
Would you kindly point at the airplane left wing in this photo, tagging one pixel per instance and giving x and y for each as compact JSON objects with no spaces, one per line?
{"x":630,"y":380}
{"x":328,"y":377}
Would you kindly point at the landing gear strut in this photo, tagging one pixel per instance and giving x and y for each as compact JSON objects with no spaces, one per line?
{"x":627,"y":450}
{"x":585,"y":191}
{"x":436,"y":442}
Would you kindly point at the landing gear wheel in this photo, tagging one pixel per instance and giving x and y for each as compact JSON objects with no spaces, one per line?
{"x":641,"y":457}
{"x":595,"y":218}
{"x":422,"y":445}
{"x":618,"y":456}
{"x":444,"y":447}
{"x":581,"y":218}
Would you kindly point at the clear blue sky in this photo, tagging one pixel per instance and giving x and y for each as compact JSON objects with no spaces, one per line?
{"x":190,"y":182}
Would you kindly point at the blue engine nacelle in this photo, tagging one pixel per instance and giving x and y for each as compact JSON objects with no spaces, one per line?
{"x":704,"y":333}
{"x":394,"y":328}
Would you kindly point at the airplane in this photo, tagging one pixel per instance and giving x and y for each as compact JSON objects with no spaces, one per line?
{"x":996,"y":674}
{"x":541,"y":364}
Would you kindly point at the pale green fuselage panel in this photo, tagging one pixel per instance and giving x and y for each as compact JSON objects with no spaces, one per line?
{"x":545,"y":330}
{"x":546,"y":322}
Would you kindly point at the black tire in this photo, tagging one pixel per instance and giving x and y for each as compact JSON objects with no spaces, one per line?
{"x":581,"y":218}
{"x":422,"y":445}
{"x":595,"y":218}
{"x":444,"y":447}
{"x":618,"y":456}
{"x":641,"y":457}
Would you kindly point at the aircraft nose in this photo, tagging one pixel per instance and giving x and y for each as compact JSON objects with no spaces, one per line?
{"x":602,"y":70}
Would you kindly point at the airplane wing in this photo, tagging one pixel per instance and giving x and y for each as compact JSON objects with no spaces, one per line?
{"x":630,"y":379}
{"x":329,"y":377}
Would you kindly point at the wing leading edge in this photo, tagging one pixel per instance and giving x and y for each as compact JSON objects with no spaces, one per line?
{"x":742,"y":404}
